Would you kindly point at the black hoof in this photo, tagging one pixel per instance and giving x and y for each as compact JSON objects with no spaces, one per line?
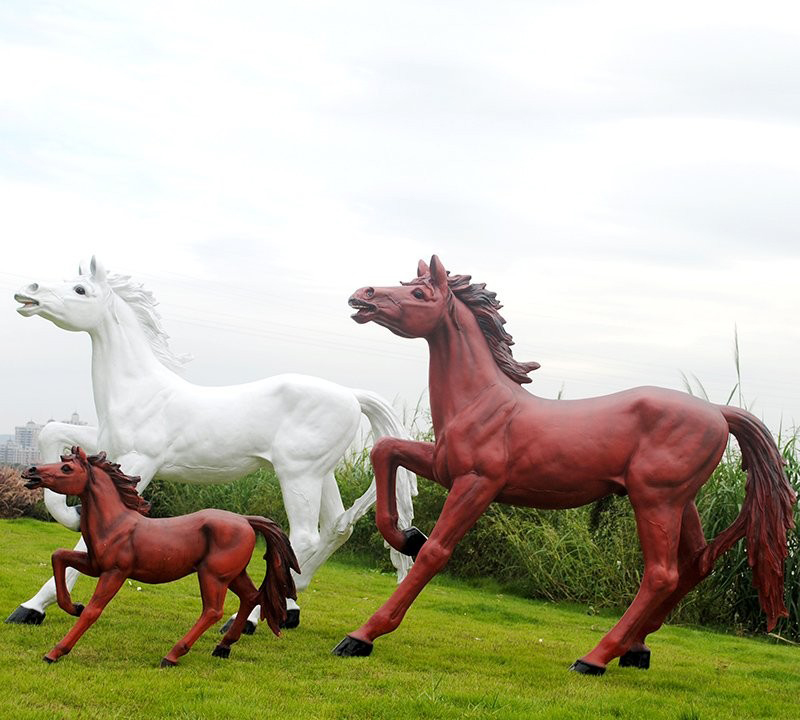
{"x":350,"y":647}
{"x":26,"y":616}
{"x":635,"y":659}
{"x":584,"y":668}
{"x":415,"y":539}
{"x":248,"y":629}
{"x":292,"y":619}
{"x":79,"y":608}
{"x":48,"y":660}
{"x":221,"y":651}
{"x":167,"y":663}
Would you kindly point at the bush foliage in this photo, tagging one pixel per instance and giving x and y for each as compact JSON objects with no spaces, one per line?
{"x":16,"y":500}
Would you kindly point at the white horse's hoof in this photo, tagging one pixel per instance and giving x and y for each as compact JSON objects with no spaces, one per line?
{"x":25,"y":616}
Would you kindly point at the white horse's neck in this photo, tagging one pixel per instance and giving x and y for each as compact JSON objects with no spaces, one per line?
{"x":124,"y":366}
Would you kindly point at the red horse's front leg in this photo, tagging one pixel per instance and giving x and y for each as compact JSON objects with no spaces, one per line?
{"x":62,"y":559}
{"x":107,"y":586}
{"x":387,"y":455}
{"x":469,"y":497}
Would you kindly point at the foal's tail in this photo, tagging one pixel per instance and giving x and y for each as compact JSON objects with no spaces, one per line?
{"x":278,"y":582}
{"x":766,"y":513}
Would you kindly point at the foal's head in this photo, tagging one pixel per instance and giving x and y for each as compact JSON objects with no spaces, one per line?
{"x":68,"y":477}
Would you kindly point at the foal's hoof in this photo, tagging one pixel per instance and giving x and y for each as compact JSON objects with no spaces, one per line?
{"x":584,"y":668}
{"x":292,"y":619}
{"x":635,"y":659}
{"x":25,"y":616}
{"x":78,"y":609}
{"x":351,"y":647}
{"x":49,"y":660}
{"x":415,"y":539}
{"x":221,"y":651}
{"x":165,"y":663}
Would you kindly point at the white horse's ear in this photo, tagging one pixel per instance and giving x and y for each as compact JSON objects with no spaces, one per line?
{"x":82,"y":268}
{"x":98,"y":271}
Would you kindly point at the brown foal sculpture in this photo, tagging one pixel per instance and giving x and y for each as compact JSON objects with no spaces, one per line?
{"x":495,"y":442}
{"x":122,"y":543}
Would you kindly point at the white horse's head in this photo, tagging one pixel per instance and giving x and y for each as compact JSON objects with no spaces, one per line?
{"x":85,"y":302}
{"x":75,"y":305}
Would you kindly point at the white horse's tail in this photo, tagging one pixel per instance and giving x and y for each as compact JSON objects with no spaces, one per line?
{"x":384,"y":421}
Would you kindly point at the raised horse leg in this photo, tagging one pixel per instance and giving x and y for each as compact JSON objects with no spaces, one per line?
{"x":658,"y":520}
{"x":63,"y":559}
{"x":469,"y":497}
{"x":107,"y":586}
{"x":691,"y":572}
{"x":212,"y":591}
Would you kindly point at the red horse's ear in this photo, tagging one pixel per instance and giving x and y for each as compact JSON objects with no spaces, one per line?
{"x":78,"y":454}
{"x":423,"y":269}
{"x":438,"y":274}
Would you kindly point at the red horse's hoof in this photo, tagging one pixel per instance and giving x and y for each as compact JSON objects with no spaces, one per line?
{"x":167,"y":663}
{"x":221,"y":651}
{"x":79,"y":608}
{"x":415,"y":539}
{"x":584,"y":668}
{"x":635,"y":659}
{"x":49,"y":660}
{"x":352,"y":647}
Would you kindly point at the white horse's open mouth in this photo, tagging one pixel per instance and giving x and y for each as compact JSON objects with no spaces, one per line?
{"x":29,"y":305}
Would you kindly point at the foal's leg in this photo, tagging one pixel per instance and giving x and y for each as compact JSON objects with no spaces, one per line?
{"x":213,"y":591}
{"x":658,"y":521}
{"x":468,"y":499}
{"x":107,"y":586}
{"x":243,"y":586}
{"x":62,"y":559}
{"x":692,"y":542}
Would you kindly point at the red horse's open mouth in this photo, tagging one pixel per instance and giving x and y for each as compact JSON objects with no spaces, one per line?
{"x":365,"y":310}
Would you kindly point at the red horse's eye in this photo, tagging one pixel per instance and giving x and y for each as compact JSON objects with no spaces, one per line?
{"x":66,"y":468}
{"x":418,"y":294}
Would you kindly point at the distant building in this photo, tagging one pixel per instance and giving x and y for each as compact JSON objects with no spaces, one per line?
{"x":23,"y":449}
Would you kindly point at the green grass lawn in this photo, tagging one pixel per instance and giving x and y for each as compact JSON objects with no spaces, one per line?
{"x":461,"y":652}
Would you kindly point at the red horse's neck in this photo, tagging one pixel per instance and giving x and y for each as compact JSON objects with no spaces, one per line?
{"x":461,"y":367}
{"x":101,"y":508}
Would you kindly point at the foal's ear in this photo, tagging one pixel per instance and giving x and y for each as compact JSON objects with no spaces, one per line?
{"x":423,"y":269}
{"x":438,"y":274}
{"x":79,"y":455}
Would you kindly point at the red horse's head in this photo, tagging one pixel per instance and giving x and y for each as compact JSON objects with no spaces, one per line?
{"x":413,"y":309}
{"x":69,"y":477}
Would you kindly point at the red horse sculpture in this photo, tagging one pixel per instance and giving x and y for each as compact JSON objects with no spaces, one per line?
{"x":495,"y":442}
{"x":122,"y":543}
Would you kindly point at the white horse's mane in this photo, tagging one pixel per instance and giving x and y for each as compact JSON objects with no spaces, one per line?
{"x":143,"y":303}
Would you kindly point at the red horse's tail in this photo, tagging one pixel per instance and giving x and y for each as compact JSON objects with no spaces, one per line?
{"x":766,"y":513}
{"x":278,"y":582}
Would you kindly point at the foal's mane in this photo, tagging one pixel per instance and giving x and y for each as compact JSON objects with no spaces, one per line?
{"x":143,"y":304}
{"x":125,"y":484}
{"x":484,"y":306}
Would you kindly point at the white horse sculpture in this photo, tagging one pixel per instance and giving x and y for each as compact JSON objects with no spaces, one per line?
{"x":154,"y":423}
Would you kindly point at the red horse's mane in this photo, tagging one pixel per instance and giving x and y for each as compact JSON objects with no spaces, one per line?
{"x":125,"y":484}
{"x":484,"y":306}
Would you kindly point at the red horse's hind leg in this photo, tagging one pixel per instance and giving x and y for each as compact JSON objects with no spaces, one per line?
{"x":658,"y":524}
{"x":107,"y":586}
{"x":213,"y":591}
{"x":692,"y":543}
{"x":243,"y":586}
{"x":469,"y":497}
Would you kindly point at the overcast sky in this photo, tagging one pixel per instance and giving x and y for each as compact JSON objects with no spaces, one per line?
{"x":623,"y":174}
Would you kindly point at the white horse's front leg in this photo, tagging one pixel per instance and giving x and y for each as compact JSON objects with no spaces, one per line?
{"x":54,"y":440}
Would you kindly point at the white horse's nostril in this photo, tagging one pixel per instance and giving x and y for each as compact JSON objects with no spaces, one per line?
{"x":33,"y":287}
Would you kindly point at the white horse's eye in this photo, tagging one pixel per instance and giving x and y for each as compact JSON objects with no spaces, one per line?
{"x":80,"y":290}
